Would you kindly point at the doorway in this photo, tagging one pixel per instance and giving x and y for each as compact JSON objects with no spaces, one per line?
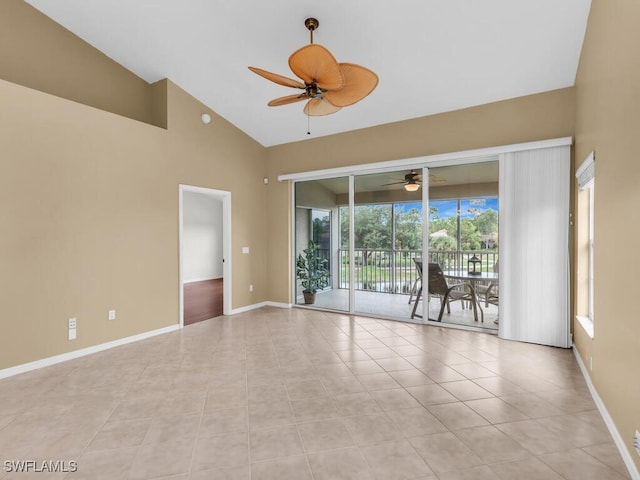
{"x":204,"y":252}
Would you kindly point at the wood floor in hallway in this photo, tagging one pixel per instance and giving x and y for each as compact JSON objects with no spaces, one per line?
{"x":202,"y":300}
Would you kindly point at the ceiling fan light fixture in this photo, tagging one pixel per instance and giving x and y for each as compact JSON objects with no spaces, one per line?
{"x":412,"y":186}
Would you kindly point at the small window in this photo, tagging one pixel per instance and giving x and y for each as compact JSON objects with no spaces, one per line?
{"x":585,"y":244}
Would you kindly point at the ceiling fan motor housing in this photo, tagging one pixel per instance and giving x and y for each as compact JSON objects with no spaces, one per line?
{"x":311,"y":24}
{"x":313,"y":91}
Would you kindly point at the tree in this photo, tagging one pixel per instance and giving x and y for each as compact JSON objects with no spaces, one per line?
{"x":448,"y":223}
{"x":408,"y":229}
{"x":443,"y":243}
{"x":469,"y":235}
{"x":487,"y":222}
{"x":372,"y":226}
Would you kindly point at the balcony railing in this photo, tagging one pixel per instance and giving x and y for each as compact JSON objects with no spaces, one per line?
{"x":393,"y":271}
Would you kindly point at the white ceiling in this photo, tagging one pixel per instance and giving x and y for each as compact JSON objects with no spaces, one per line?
{"x":431,"y":55}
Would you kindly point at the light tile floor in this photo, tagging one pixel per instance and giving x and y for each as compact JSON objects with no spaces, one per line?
{"x":301,"y":394}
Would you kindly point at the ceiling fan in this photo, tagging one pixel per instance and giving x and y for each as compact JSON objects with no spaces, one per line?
{"x":326,"y":84}
{"x":413,"y":179}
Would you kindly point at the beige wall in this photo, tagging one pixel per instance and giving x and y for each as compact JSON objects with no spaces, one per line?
{"x":535,"y":117}
{"x":608,"y":122}
{"x":39,"y":53}
{"x":313,"y":195}
{"x":523,"y":119}
{"x":90,"y":214}
{"x":89,"y":204}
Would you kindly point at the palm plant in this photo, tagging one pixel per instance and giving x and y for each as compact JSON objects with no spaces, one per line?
{"x":312,"y":272}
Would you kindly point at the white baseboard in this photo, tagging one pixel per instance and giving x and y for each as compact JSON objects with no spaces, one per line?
{"x":46,"y":362}
{"x":617,"y":438}
{"x":255,"y":306}
{"x":63,"y":357}
{"x":277,"y":304}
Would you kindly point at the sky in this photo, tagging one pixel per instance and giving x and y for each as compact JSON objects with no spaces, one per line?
{"x":469,"y":208}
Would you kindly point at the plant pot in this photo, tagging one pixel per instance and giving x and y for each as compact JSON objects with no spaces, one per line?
{"x":309,"y":298}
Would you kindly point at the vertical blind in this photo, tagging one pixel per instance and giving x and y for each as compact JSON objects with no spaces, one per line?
{"x":534,"y":246}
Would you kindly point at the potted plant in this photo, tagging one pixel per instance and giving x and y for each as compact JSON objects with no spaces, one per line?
{"x":312,"y":272}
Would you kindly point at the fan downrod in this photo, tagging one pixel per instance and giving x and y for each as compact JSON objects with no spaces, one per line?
{"x":311,"y":24}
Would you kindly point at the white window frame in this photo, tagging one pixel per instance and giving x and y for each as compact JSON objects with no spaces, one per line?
{"x":591,"y":188}
{"x":586,"y":182}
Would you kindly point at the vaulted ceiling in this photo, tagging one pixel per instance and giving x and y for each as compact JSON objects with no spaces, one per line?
{"x":431,"y":56}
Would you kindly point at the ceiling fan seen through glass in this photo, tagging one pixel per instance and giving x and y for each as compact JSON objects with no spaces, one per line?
{"x":413,"y":179}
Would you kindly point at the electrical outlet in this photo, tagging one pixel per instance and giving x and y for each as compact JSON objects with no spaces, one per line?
{"x":112,"y":314}
{"x":251,"y":288}
{"x":72,"y":323}
{"x":636,"y":442}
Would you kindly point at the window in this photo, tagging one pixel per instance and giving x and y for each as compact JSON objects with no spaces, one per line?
{"x":591,"y":190}
{"x":585,"y":246}
{"x":461,"y":228}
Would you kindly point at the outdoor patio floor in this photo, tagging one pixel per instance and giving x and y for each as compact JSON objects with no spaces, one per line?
{"x":397,"y":307}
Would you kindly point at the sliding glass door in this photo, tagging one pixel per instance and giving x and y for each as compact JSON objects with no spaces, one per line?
{"x":322,"y":276}
{"x":364,"y":226}
{"x":387,"y":239}
{"x":463,"y":236}
{"x":359,"y":242}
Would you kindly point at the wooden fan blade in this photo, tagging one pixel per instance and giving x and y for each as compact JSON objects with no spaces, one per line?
{"x":359,"y":82}
{"x":276,"y":102}
{"x":315,"y":64}
{"x":279,"y":79}
{"x":317,"y":107}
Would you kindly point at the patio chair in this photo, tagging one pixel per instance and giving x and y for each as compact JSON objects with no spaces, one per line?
{"x":418,"y":262}
{"x":438,"y":287}
{"x":489,"y":294}
{"x":448,"y":293}
{"x":418,"y":281}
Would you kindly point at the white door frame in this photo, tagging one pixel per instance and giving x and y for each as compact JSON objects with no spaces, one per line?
{"x":225,"y":197}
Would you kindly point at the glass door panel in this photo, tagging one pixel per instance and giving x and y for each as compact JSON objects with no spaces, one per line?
{"x":322,"y":269}
{"x":463,"y":226}
{"x":387,"y":238}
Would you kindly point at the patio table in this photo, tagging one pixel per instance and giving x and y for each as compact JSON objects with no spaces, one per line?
{"x":472,"y":280}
